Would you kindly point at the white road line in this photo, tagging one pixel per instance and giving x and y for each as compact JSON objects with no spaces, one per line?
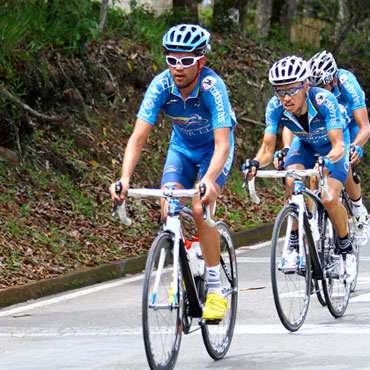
{"x":306,"y":329}
{"x":65,"y":297}
{"x":360,"y":298}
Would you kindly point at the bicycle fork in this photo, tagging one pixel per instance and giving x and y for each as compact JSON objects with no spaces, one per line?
{"x":297,"y":198}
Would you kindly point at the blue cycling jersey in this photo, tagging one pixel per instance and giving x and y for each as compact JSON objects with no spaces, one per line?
{"x":349,"y":93}
{"x":324,"y":114}
{"x":194,"y":119}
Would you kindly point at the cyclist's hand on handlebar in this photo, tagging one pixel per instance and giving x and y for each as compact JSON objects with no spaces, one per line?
{"x":250,"y":168}
{"x":355,"y":154}
{"x":118,"y":190}
{"x":325,"y":166}
{"x":211,"y":192}
{"x":279,"y":158}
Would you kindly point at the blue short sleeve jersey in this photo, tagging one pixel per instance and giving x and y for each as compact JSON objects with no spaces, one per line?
{"x":349,"y":93}
{"x":324,"y":114}
{"x":194,"y":119}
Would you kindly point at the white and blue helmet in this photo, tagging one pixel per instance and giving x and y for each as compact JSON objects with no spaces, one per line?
{"x":323,"y":68}
{"x":289,"y":70}
{"x":187,"y":38}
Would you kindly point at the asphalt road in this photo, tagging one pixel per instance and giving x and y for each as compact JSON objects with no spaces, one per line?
{"x":99,"y":327}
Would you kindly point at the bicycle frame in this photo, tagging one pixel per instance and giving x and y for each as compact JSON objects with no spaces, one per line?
{"x":297,"y":198}
{"x":172,"y":226}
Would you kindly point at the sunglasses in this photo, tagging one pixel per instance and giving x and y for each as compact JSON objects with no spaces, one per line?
{"x":291,"y":92}
{"x":185,"y":62}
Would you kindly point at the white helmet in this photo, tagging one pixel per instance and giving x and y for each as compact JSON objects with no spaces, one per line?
{"x":323,"y":68}
{"x":288,"y":70}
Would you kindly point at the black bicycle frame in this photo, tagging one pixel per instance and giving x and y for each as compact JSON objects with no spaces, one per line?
{"x":195,"y":309}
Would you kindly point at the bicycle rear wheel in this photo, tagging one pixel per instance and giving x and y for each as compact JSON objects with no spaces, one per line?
{"x":162,"y":312}
{"x":217,"y":338}
{"x":336,"y":291}
{"x":291,"y":289}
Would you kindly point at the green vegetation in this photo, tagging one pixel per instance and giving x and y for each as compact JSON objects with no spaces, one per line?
{"x":54,"y":175}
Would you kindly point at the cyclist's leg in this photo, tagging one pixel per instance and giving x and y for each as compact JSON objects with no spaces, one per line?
{"x":361,"y":217}
{"x":300,"y":157}
{"x":209,"y":238}
{"x":178,"y":170}
{"x":338,"y":215}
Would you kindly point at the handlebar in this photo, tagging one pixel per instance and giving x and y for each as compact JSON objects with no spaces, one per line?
{"x":160,"y":193}
{"x":284,"y":174}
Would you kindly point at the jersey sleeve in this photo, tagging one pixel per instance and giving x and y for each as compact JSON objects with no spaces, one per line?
{"x":155,"y":97}
{"x":327,"y":106}
{"x":217,"y":101}
{"x":351,"y":90}
{"x":273,"y":115}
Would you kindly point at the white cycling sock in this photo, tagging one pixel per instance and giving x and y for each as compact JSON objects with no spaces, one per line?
{"x":214,"y":283}
{"x":358,"y":207}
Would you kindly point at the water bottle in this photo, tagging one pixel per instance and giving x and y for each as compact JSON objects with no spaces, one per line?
{"x":200,"y":260}
{"x":192,"y":257}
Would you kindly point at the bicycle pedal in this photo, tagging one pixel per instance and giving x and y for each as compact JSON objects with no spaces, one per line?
{"x":212,"y":322}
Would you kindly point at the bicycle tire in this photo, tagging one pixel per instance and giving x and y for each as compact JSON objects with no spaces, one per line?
{"x":336,"y":291}
{"x":291,"y":290}
{"x":319,"y":292}
{"x":162,"y":322}
{"x":217,"y":338}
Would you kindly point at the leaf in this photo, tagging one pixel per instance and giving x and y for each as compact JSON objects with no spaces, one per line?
{"x":155,"y":67}
{"x":129,"y":66}
{"x":94,"y":163}
{"x":105,"y":131}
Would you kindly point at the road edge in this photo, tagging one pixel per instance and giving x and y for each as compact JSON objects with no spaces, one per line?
{"x":98,"y":274}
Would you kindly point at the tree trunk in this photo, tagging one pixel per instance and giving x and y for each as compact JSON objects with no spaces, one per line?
{"x":186,"y":11}
{"x":308,"y":5}
{"x":228,"y":15}
{"x":286,"y":17}
{"x":362,"y":7}
{"x":243,"y":9}
{"x":263,"y":17}
{"x":103,"y":13}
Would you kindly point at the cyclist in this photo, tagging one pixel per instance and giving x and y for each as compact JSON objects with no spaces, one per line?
{"x":314,"y":117}
{"x":344,"y":85}
{"x":195,"y":100}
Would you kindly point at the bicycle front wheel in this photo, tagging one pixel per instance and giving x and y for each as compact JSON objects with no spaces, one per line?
{"x":291,"y":288}
{"x":217,"y":338}
{"x":162,"y":311}
{"x":336,"y":290}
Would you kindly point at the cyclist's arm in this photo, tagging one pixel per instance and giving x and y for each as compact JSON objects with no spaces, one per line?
{"x":287,"y":137}
{"x":132,"y":154}
{"x":266,"y":152}
{"x":338,"y":147}
{"x":362,"y":119}
{"x":220,"y":155}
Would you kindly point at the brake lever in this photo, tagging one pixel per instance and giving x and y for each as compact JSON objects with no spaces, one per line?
{"x":116,"y":203}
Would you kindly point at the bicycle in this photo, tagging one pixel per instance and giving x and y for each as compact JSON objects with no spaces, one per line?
{"x":319,"y":257}
{"x":173,"y":294}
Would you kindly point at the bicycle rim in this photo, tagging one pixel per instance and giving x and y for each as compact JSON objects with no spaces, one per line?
{"x":161,"y":316}
{"x":336,"y":292}
{"x":217,"y":338}
{"x":291,"y":290}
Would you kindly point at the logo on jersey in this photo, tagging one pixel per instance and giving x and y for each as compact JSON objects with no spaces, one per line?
{"x":320,"y":97}
{"x":208,"y":82}
{"x":173,"y":101}
{"x":343,"y":78}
